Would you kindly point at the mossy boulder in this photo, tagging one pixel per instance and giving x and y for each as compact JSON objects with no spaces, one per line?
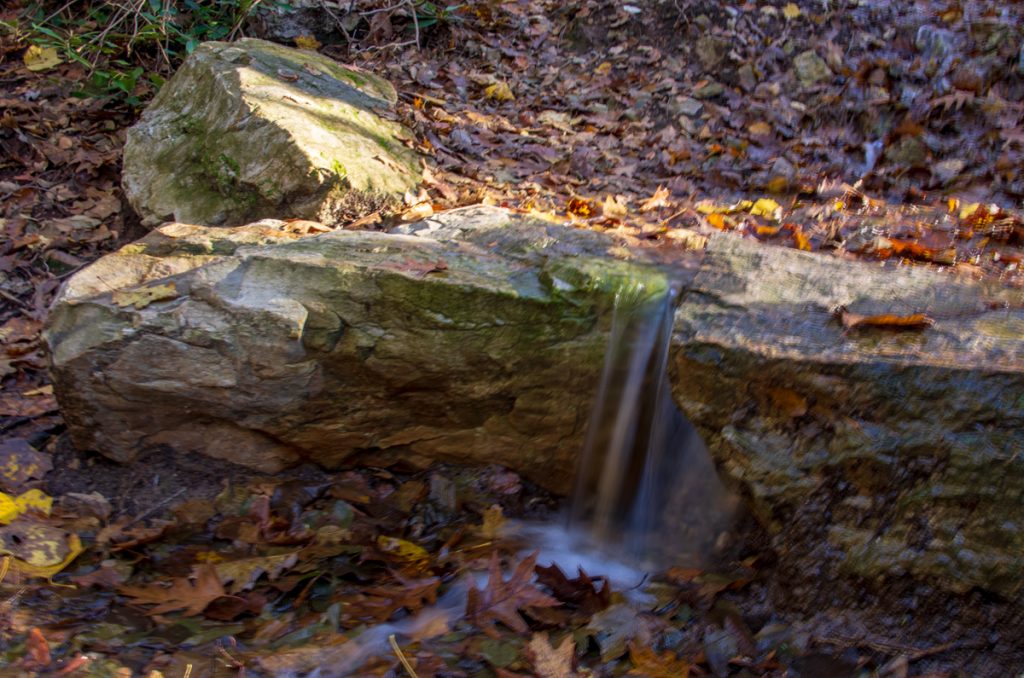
{"x":250,"y":130}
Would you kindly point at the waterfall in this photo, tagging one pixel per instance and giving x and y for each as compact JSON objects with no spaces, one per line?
{"x":645,"y":482}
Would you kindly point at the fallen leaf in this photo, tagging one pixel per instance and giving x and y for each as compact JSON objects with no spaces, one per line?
{"x":407,"y":555}
{"x":760,"y":129}
{"x":791,"y":11}
{"x":501,"y":600}
{"x":659,"y":199}
{"x":307,"y":42}
{"x":581,"y":592}
{"x":41,"y":58}
{"x":499,"y":91}
{"x":12,"y":507}
{"x":241,"y":575}
{"x":648,"y":663}
{"x":38,"y":550}
{"x":612,"y":208}
{"x":790,"y":403}
{"x":551,"y":662}
{"x":144,"y":296}
{"x":915,"y":321}
{"x":38,"y":649}
{"x":185,"y":593}
{"x":20,"y":463}
{"x":767,"y":208}
{"x":801,"y":239}
{"x":718,"y":221}
{"x":578,"y":207}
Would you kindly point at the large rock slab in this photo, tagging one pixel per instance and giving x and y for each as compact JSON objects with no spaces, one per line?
{"x":892,"y":452}
{"x":250,"y":130}
{"x":478,"y":336}
{"x":477,"y":341}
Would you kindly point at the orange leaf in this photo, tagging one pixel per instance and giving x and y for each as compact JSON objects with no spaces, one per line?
{"x":718,"y":221}
{"x":915,"y":321}
{"x":578,"y":207}
{"x":659,"y":199}
{"x":802,"y":241}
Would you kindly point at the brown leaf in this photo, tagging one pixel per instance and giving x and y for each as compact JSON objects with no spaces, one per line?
{"x":551,"y":662}
{"x":646,"y":662}
{"x":915,"y":321}
{"x":183,"y":594}
{"x":500,"y":600}
{"x":580,"y":592}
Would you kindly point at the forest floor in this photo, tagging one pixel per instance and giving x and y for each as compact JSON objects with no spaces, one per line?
{"x":886,"y":131}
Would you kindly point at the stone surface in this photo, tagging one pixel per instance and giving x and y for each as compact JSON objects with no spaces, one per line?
{"x":249,"y":130}
{"x":477,"y":336}
{"x":811,"y":69}
{"x":897,"y":452}
{"x":465,"y":341}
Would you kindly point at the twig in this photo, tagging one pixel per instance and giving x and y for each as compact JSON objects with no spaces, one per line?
{"x":415,"y":22}
{"x":401,"y":657}
{"x":153,"y":509}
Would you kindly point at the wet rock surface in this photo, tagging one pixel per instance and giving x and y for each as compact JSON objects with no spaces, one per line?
{"x":250,"y":130}
{"x":478,"y":336}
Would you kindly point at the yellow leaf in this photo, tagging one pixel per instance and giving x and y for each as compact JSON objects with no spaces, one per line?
{"x":969,"y":209}
{"x":767,"y":208}
{"x":404,"y":552}
{"x":760,"y":129}
{"x":41,"y":550}
{"x":709,"y":207}
{"x":12,"y":507}
{"x":41,"y":58}
{"x":307,"y":42}
{"x":604,"y":68}
{"x":791,"y":11}
{"x":612,"y":208}
{"x":144,"y":296}
{"x":659,"y":199}
{"x":499,"y":91}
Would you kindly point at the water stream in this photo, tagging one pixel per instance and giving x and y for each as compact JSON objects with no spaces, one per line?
{"x":646,"y":487}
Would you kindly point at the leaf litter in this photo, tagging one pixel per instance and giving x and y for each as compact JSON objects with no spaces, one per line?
{"x":889,"y":132}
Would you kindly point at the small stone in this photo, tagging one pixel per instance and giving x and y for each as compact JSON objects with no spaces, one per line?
{"x":811,"y":69}
{"x":933,"y":43}
{"x":908,"y":152}
{"x":711,"y":51}
{"x":709,"y":90}
{"x":689,"y":107}
{"x":948,"y":170}
{"x":747,"y":77}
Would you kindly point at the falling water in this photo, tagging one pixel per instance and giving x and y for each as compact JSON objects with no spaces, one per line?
{"x":645,"y":482}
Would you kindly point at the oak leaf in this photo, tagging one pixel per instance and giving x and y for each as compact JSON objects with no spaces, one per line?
{"x":500,"y":600}
{"x":183,"y":594}
{"x":549,"y":661}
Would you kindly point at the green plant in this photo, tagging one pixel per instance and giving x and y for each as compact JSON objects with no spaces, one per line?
{"x":128,"y":46}
{"x":429,"y":14}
